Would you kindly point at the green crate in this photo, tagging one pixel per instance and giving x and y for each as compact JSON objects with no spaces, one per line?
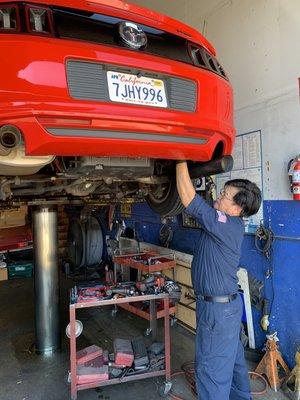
{"x":20,"y":269}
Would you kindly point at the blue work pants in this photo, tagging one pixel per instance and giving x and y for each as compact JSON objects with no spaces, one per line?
{"x":221,"y":372}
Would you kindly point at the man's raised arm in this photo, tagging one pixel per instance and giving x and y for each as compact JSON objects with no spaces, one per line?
{"x":185,"y":186}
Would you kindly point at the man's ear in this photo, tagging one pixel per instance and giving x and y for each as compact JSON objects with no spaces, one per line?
{"x":237,"y":210}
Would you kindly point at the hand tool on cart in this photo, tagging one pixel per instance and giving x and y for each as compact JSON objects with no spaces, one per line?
{"x":152,"y":284}
{"x":155,"y":283}
{"x":158,"y":283}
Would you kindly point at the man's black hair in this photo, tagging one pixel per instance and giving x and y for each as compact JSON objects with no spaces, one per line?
{"x":248,"y":196}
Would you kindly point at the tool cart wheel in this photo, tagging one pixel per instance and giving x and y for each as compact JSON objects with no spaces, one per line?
{"x":114,"y":312}
{"x":148,"y":332}
{"x":173,"y":320}
{"x":68,"y":378}
{"x":164,"y":389}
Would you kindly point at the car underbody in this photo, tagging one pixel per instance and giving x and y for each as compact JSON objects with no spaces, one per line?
{"x":26,"y":179}
{"x":103,"y":179}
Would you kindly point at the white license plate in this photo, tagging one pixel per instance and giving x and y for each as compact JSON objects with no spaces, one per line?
{"x":128,"y":88}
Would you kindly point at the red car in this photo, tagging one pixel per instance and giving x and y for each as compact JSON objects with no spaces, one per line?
{"x":99,"y":98}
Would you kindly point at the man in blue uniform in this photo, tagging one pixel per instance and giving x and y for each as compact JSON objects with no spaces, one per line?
{"x":221,"y":372}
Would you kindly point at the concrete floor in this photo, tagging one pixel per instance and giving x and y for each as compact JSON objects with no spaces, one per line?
{"x":27,"y":376}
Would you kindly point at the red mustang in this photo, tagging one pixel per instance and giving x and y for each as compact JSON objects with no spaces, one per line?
{"x":98,"y":98}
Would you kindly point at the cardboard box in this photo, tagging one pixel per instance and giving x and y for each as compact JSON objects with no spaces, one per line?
{"x":14,"y":217}
{"x":3,"y":274}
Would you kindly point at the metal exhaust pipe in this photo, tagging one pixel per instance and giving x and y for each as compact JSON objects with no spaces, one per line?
{"x":213,"y":167}
{"x":10,"y":137}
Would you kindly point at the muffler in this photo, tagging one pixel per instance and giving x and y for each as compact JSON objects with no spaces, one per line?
{"x":10,"y":138}
{"x":213,"y":167}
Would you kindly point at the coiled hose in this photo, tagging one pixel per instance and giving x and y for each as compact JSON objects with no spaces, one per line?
{"x":188,"y":370}
{"x":264,"y":239}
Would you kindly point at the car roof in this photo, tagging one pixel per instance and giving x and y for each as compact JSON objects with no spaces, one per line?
{"x":130,"y":12}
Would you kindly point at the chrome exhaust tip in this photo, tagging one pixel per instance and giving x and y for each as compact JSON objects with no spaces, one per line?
{"x":10,"y":137}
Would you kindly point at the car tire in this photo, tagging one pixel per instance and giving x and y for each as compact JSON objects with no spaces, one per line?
{"x":94,"y":242}
{"x":76,"y":244}
{"x":85,"y":243}
{"x":164,"y":199}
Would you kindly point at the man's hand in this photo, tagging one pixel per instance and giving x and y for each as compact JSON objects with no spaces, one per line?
{"x":185,"y":186}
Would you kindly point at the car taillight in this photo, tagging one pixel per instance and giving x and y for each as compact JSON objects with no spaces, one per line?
{"x":202,"y":58}
{"x":9,"y":18}
{"x":26,"y":18}
{"x":39,"y":20}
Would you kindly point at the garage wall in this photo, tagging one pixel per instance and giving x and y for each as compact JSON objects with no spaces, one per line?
{"x":258,"y":43}
{"x":257,"y":47}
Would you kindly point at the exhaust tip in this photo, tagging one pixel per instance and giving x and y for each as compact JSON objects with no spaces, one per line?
{"x":10,"y":136}
{"x":226,"y":164}
{"x":212,"y":167}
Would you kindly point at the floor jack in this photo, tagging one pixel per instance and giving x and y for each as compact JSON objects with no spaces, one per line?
{"x":292,"y":385}
{"x":272,"y":364}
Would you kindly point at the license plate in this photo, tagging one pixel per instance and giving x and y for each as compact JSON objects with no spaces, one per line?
{"x":128,"y":88}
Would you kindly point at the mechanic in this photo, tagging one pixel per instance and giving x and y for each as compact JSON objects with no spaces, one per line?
{"x":220,"y":369}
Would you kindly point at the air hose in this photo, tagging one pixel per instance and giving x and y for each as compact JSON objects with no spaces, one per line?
{"x":188,"y":370}
{"x":264,"y":239}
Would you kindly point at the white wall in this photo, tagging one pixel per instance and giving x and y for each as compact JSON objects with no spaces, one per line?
{"x":258,"y":43}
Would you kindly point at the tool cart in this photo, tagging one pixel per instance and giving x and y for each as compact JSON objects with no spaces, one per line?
{"x":149,"y":263}
{"x":79,"y":384}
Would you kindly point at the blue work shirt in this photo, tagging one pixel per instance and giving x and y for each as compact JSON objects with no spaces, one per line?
{"x":217,"y":255}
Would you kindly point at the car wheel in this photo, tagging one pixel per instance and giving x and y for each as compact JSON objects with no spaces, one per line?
{"x":164,"y":199}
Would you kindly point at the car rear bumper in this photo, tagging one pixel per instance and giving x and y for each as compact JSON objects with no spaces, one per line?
{"x":35,"y":97}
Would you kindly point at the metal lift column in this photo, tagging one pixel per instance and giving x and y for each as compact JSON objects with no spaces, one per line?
{"x":45,"y":241}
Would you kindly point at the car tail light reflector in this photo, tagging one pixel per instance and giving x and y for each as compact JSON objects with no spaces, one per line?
{"x":49,"y":121}
{"x":9,"y":18}
{"x":39,"y":20}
